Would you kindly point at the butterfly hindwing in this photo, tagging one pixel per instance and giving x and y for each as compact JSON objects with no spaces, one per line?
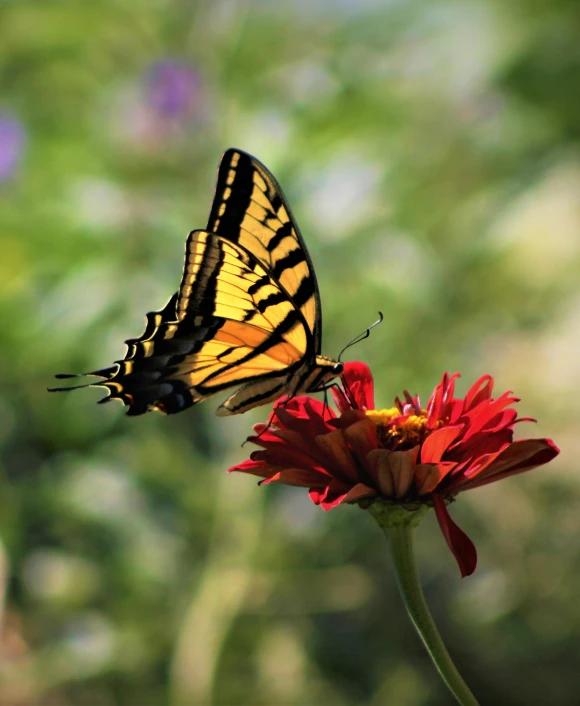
{"x":232,"y":324}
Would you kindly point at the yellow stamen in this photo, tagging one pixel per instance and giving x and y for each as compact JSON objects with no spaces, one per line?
{"x":408,"y":432}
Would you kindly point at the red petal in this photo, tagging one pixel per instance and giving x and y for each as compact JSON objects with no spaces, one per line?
{"x":256,"y":468}
{"x":305,"y":415}
{"x":435,"y":402}
{"x":459,"y":479}
{"x":518,"y":457}
{"x":485,"y":412}
{"x":359,"y":380}
{"x":455,"y":410}
{"x":305,"y":444}
{"x":362,"y":439}
{"x":331,"y":496}
{"x":393,"y":471}
{"x":340,"y":459}
{"x":289,"y":459}
{"x":437,"y":443}
{"x":448,"y":395}
{"x":316,"y":495}
{"x":462,"y":547}
{"x":342,"y":402}
{"x":482,"y":444}
{"x":358,"y":492}
{"x":299,"y":477}
{"x":479,"y":391}
{"x":347,"y":419}
{"x":439,"y":405}
{"x":429,"y":475}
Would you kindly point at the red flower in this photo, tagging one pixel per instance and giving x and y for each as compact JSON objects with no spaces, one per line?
{"x":404,"y":455}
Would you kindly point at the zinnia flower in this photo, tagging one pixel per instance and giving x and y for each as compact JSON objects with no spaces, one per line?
{"x":407,"y":455}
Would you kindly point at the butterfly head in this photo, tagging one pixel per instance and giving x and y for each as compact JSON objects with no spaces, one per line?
{"x":325,"y":370}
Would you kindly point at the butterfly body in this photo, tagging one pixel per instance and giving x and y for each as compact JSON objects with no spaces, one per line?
{"x":247,"y":313}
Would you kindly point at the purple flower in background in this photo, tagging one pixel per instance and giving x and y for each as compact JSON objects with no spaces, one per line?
{"x":157,"y":110}
{"x":172,"y":89}
{"x":11,"y":145}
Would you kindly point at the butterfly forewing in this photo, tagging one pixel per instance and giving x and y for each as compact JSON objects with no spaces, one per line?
{"x":249,"y":208}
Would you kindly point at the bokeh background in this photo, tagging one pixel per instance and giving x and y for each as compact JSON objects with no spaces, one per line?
{"x":430,"y":153}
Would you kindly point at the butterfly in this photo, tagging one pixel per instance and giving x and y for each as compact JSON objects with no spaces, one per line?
{"x":247,"y":313}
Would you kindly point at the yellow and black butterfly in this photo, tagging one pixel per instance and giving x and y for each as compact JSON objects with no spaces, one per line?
{"x":247,"y":313}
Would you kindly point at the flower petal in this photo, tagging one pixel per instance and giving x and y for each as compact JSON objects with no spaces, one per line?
{"x":358,"y":381}
{"x":298,"y":477}
{"x":339,"y":456}
{"x":481,"y":415}
{"x":518,"y":457}
{"x":437,"y":443}
{"x":402,"y":466}
{"x":378,"y":461}
{"x":393,"y":470}
{"x":479,"y":391}
{"x":286,"y":456}
{"x":347,"y":419}
{"x":304,"y":443}
{"x":439,"y":403}
{"x":256,"y":468}
{"x":334,"y":494}
{"x":358,"y":492}
{"x":480,"y":444}
{"x":304,"y":415}
{"x":462,"y":547}
{"x":362,"y":439}
{"x":429,"y":475}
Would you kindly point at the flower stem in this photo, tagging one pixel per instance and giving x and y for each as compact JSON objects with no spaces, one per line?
{"x":400,"y":539}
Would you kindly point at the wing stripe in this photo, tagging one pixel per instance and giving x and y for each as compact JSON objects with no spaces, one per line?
{"x":258,"y":284}
{"x":249,"y":402}
{"x":304,"y":293}
{"x":233,"y":214}
{"x":284,"y":232}
{"x":293,"y":258}
{"x":271,"y":300}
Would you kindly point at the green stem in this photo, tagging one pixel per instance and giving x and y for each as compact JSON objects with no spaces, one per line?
{"x":400,"y":539}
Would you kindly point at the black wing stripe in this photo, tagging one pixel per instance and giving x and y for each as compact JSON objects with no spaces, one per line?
{"x":293,"y":258}
{"x":304,"y":293}
{"x":284,"y":232}
{"x":252,"y":401}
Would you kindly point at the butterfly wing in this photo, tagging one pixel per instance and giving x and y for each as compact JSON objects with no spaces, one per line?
{"x":249,"y":208}
{"x":233,"y":325}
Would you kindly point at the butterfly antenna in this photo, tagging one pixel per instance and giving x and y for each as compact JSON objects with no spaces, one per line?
{"x":361,"y":336}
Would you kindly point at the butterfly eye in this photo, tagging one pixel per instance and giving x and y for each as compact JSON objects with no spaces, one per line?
{"x":338,"y":369}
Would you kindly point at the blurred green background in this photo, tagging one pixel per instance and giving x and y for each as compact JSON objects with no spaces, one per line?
{"x":430,"y":153}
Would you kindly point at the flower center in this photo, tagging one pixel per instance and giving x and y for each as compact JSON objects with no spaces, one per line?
{"x":396,"y":430}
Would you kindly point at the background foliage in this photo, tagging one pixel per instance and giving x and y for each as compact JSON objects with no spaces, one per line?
{"x":430,"y":153}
